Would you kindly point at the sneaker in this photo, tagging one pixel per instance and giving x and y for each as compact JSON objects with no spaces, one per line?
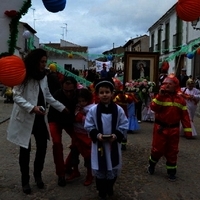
{"x":61,"y":181}
{"x":88,"y":180}
{"x":150,"y":170}
{"x":26,"y":189}
{"x":139,"y":121}
{"x":123,"y":147}
{"x":73,"y":176}
{"x":172,"y":178}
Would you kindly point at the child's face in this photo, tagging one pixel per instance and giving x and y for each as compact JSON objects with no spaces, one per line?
{"x":105,"y":95}
{"x":82,"y":102}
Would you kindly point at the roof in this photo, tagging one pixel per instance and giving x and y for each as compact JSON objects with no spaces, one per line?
{"x":165,"y":15}
{"x":134,"y":40}
{"x":74,"y":48}
{"x":29,"y":28}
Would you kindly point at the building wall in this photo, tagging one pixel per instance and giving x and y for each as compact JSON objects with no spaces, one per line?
{"x":76,"y":63}
{"x":5,"y":21}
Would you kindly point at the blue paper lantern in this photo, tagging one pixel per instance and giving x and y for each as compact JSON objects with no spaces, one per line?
{"x":190,"y":55}
{"x":110,"y":57}
{"x":54,"y":5}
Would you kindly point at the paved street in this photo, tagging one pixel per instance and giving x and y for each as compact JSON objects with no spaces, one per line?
{"x":133,"y":183}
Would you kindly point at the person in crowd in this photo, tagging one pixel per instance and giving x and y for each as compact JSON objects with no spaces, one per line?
{"x":192,"y":97}
{"x":104,"y":73}
{"x":106,"y":123}
{"x":111,"y":72}
{"x":52,"y":78}
{"x":183,"y":77}
{"x":170,"y":109}
{"x":59,"y":122}
{"x":163,"y":72}
{"x":197,"y":82}
{"x":29,"y":117}
{"x":82,"y":141}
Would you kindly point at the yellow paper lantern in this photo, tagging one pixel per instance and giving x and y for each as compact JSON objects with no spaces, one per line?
{"x":53,"y":67}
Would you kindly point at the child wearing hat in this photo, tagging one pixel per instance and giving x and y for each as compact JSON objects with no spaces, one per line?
{"x":106,"y":123}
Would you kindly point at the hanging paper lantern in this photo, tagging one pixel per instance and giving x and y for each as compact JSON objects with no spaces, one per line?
{"x":54,"y":5}
{"x":198,"y":51}
{"x":110,"y":57}
{"x":190,"y":55}
{"x":12,"y":70}
{"x":70,"y":55}
{"x":53,"y":67}
{"x":188,"y":10}
{"x":26,"y":34}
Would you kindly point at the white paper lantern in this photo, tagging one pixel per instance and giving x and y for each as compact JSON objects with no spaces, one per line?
{"x":26,"y":34}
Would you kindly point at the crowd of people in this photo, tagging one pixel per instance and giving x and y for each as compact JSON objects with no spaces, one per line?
{"x":97,"y":122}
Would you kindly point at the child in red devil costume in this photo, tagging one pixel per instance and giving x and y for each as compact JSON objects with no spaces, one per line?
{"x":82,"y":140}
{"x":170,"y":109}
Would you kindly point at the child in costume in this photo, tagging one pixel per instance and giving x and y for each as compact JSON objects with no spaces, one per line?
{"x":82,"y":141}
{"x":170,"y":109}
{"x":106,"y":123}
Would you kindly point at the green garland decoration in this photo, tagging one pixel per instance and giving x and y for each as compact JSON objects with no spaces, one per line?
{"x":14,"y":27}
{"x":184,"y":49}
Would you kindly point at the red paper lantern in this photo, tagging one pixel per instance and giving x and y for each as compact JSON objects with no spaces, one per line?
{"x":198,"y":51}
{"x":12,"y":70}
{"x":188,"y":10}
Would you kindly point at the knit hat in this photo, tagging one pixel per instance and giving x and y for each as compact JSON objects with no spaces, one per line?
{"x":165,"y":67}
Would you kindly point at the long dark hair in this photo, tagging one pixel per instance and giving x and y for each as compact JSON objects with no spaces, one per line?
{"x":32,"y":62}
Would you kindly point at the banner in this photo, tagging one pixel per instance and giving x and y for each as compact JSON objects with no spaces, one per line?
{"x":99,"y":65}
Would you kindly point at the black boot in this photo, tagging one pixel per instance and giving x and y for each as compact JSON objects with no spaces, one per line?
{"x":151,"y":167}
{"x":110,"y":184}
{"x":172,"y":174}
{"x":101,"y":187}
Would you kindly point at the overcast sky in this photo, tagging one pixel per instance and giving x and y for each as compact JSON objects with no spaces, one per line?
{"x":96,"y":24}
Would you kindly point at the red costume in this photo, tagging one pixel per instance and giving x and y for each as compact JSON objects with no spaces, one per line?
{"x":170,"y":109}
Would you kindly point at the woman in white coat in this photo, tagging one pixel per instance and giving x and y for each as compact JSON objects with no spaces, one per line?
{"x":29,"y":116}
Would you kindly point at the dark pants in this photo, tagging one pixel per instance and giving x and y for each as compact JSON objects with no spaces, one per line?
{"x":138,"y":110}
{"x":24,"y":155}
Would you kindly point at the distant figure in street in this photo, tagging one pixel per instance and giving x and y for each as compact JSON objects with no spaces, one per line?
{"x":183,"y":77}
{"x":104,"y":73}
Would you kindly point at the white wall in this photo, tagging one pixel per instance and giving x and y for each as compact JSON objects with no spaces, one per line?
{"x":4,"y":21}
{"x":77,"y":64}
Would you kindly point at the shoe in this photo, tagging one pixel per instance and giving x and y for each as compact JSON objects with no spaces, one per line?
{"x":150,"y":170}
{"x":88,"y":180}
{"x":139,"y":121}
{"x":26,"y":189}
{"x":39,"y":182}
{"x":123,"y":147}
{"x":61,"y":181}
{"x":73,"y":176}
{"x":172,"y":178}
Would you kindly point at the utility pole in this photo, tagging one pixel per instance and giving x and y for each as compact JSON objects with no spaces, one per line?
{"x":66,"y":30}
{"x":33,"y":17}
{"x":63,"y":32}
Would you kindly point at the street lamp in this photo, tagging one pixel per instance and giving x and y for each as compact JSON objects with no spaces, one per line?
{"x":194,"y":24}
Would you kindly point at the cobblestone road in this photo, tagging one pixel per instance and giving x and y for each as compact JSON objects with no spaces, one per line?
{"x":133,"y":183}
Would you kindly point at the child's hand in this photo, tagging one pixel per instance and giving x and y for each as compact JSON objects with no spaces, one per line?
{"x":100,"y":138}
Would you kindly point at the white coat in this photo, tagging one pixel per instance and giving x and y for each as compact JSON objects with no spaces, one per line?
{"x":21,"y":121}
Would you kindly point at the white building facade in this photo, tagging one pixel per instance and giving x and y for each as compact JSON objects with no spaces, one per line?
{"x":175,"y":39}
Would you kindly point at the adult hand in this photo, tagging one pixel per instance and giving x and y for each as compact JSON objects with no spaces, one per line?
{"x":37,"y":110}
{"x":65,"y":110}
